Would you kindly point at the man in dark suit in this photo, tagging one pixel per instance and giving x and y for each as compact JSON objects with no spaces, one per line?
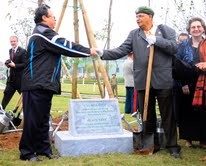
{"x":164,"y":40}
{"x":15,"y":66}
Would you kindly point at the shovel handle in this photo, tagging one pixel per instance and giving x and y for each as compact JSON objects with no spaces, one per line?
{"x":19,"y":101}
{"x":148,"y":80}
{"x":18,"y":112}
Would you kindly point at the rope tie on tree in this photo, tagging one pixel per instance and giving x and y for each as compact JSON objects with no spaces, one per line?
{"x":75,"y":62}
{"x":76,"y":7}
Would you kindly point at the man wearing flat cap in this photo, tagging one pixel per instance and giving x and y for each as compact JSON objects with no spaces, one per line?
{"x":139,"y":40}
{"x":145,"y":9}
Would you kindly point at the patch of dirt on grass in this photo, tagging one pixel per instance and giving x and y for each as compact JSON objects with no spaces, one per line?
{"x":63,"y":126}
{"x":11,"y":140}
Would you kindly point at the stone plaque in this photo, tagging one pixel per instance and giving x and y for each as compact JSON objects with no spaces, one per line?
{"x":94,"y":117}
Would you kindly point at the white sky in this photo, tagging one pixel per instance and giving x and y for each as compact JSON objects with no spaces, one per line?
{"x":123,"y":19}
{"x":4,"y":32}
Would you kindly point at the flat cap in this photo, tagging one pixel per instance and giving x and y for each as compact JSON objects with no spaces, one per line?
{"x":144,"y":9}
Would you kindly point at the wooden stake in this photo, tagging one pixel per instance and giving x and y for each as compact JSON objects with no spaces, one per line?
{"x":61,"y":15}
{"x":57,"y":29}
{"x":92,"y":43}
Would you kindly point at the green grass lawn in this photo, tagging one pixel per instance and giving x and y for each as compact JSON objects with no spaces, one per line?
{"x":91,"y":88}
{"x":190,"y":156}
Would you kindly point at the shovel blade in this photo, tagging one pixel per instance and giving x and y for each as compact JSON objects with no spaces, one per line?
{"x":15,"y":110}
{"x":143,"y":141}
{"x":16,"y":120}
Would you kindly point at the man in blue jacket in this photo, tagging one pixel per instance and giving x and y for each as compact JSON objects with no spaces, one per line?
{"x":41,"y":79}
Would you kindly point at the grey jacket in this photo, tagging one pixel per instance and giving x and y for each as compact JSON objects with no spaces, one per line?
{"x":164,"y":49}
{"x":128,"y":72}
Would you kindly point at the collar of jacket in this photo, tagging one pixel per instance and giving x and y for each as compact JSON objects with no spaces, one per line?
{"x":42,"y":24}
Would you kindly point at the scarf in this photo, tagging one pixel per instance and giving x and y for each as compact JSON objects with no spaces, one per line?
{"x":199,"y":99}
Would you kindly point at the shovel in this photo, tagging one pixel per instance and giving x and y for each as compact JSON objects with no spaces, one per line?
{"x":138,"y":117}
{"x":64,"y":117}
{"x":127,"y":123}
{"x":144,"y":141}
{"x":16,"y":120}
{"x":17,"y":104}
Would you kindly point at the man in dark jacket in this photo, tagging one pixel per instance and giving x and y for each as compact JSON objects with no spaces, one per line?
{"x":138,"y":41}
{"x":15,"y":66}
{"x":41,"y":79}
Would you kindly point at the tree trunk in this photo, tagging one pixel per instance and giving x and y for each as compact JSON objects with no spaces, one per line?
{"x":40,"y":2}
{"x":76,"y":60}
{"x":108,"y":38}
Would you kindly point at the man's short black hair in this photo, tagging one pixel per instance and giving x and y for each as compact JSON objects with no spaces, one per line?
{"x":39,"y":12}
{"x":184,"y":34}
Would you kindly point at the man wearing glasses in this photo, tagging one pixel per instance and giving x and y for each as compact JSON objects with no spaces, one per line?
{"x":41,"y":79}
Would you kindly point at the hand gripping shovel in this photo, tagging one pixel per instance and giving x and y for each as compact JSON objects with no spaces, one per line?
{"x":144,"y":141}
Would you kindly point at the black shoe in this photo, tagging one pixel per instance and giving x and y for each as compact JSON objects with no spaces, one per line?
{"x":33,"y":158}
{"x":176,"y":155}
{"x":156,"y":149}
{"x":52,"y":156}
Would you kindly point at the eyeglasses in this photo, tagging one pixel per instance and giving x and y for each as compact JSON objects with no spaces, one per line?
{"x":51,"y":17}
{"x":140,"y":15}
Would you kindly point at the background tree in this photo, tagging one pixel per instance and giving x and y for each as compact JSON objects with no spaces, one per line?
{"x":40,"y":2}
{"x":177,"y":13}
{"x":22,"y":21}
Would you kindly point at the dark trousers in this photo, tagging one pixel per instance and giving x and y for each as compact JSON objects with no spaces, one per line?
{"x":129,"y":100}
{"x":8,"y":93}
{"x":165,"y":102}
{"x":35,"y":137}
{"x":177,"y":101}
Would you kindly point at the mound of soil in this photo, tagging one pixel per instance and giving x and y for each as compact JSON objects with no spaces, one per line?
{"x":11,"y":140}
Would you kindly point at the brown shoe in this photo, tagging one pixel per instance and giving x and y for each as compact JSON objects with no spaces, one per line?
{"x":188,"y":143}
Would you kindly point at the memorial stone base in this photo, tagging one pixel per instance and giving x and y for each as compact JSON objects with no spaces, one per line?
{"x":68,"y":145}
{"x":95,"y":127}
